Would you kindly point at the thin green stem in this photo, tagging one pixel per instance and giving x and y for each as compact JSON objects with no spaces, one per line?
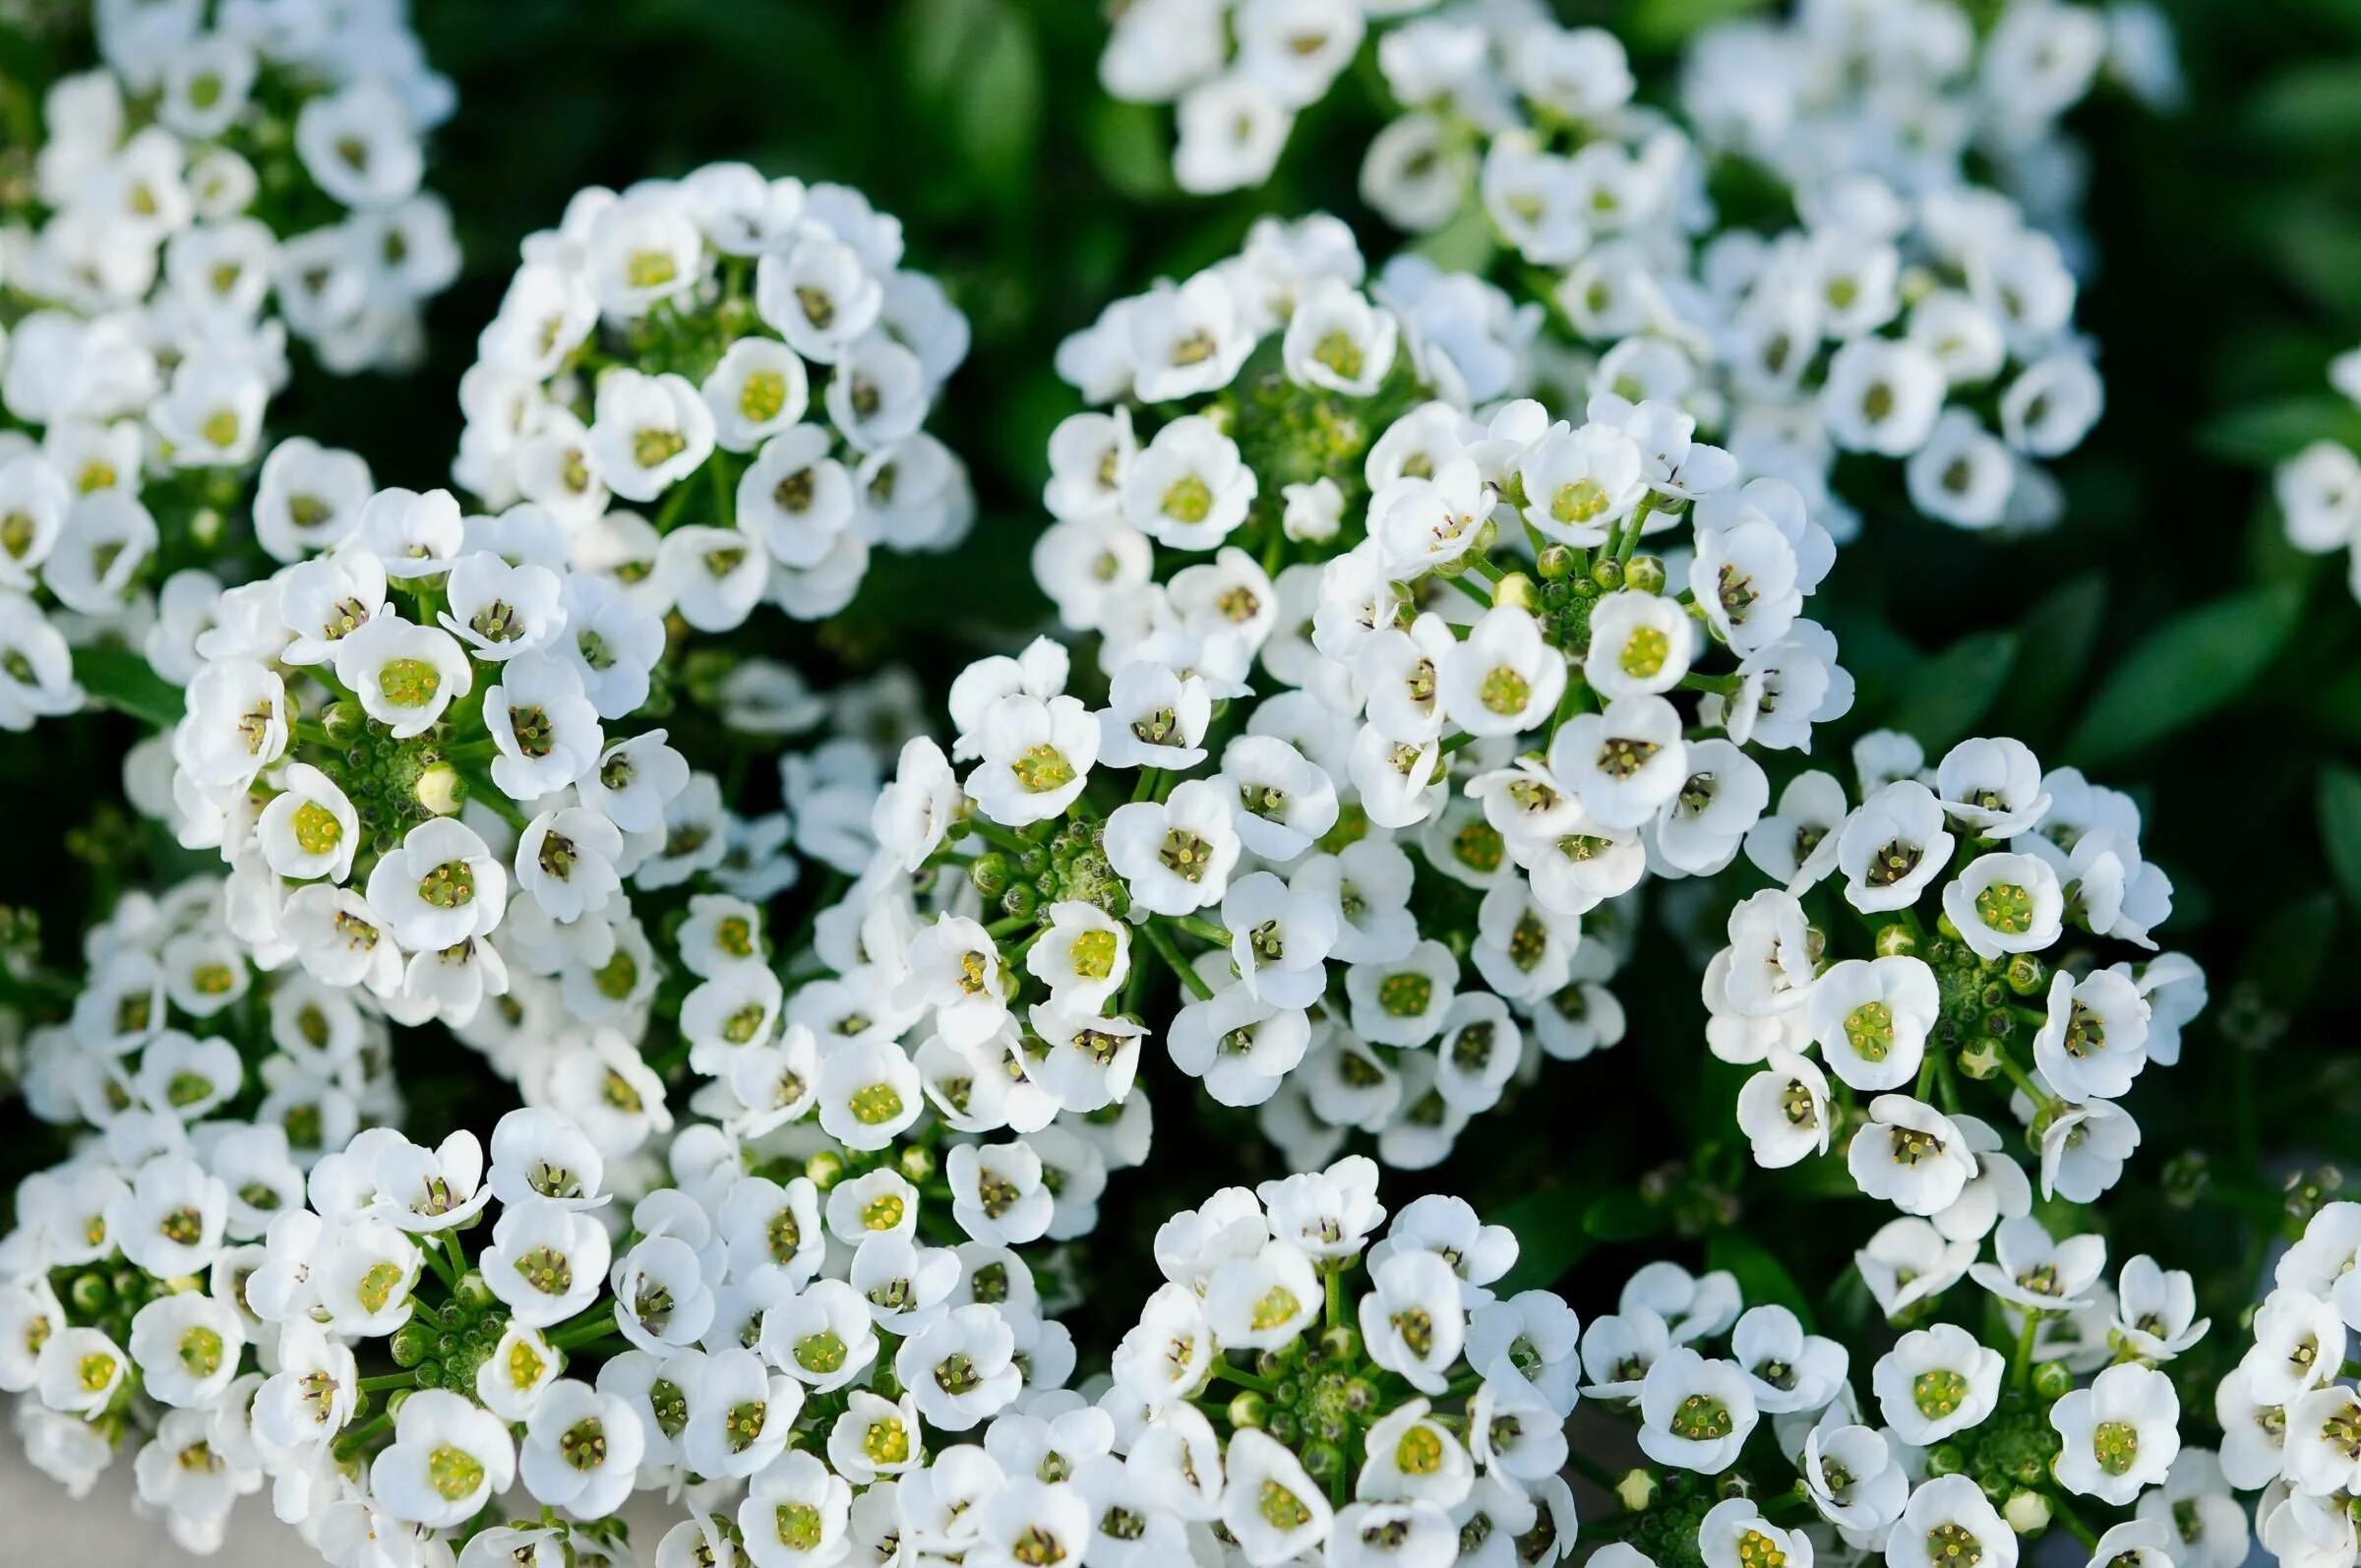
{"x":1160,"y":941}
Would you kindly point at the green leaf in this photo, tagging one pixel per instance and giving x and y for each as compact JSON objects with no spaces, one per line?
{"x":2340,"y":827}
{"x":1621,"y":1217}
{"x":1942,"y":700}
{"x":2058,"y":634}
{"x":2284,"y":960}
{"x":1667,"y":24}
{"x":2311,"y":105}
{"x":1762,"y":1279}
{"x":1130,"y":146}
{"x":2320,"y":251}
{"x":122,"y":680}
{"x":2184,"y":670}
{"x":977,"y":66}
{"x":2266,"y":434}
{"x":1550,"y":1239}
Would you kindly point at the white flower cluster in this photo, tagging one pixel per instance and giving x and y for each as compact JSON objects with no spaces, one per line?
{"x":1383,"y":1403}
{"x":1364,"y":664}
{"x":718,"y":385}
{"x":173,"y":1021}
{"x":1971,"y":1446}
{"x":1889,"y":307}
{"x":2290,"y":1411}
{"x":209,"y":189}
{"x":1886,"y":318}
{"x":1236,"y":71}
{"x":1970,"y":878}
{"x":426,"y":755}
{"x":389,"y":1377}
{"x":1914,"y":93}
{"x":2318,"y":489}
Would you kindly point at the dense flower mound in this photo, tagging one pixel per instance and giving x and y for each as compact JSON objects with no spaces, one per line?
{"x":436,"y":762}
{"x":718,"y":384}
{"x":2290,"y":1414}
{"x":1968,"y":1444}
{"x":208,"y":190}
{"x":1318,"y":1391}
{"x":1802,"y":256}
{"x":415,"y":1341}
{"x":1919,"y":946}
{"x":1410,"y":679}
{"x":175,"y":1023}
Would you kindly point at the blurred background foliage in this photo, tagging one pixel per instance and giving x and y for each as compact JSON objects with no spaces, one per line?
{"x":2165,"y":638}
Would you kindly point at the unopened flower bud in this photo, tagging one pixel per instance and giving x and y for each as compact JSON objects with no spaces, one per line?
{"x":2028,"y":1513}
{"x":343,"y":720}
{"x":1555,"y":562}
{"x":1609,"y":573}
{"x":990,"y":873}
{"x":825,"y":1168}
{"x":1514,"y":591}
{"x":1636,"y":1489}
{"x":1980,"y":1058}
{"x":1645,"y":574}
{"x":2052,"y":1380}
{"x":440,"y":790}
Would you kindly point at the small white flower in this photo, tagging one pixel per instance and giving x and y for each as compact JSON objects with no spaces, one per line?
{"x":1935,"y":1382}
{"x":2122,"y":1432}
{"x":1695,"y":1414}
{"x":447,"y":1456}
{"x":2006,"y":903}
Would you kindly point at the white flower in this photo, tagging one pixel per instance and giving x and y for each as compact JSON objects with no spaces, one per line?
{"x":796,"y":1514}
{"x":1872,"y":1018}
{"x":447,"y":1456}
{"x":1272,"y":1507}
{"x":442,"y":886}
{"x":1783,"y":1111}
{"x":1947,"y":1520}
{"x":648,"y":432}
{"x":1176,"y":855}
{"x":1882,"y":396}
{"x":310,"y":830}
{"x":1411,"y":1320}
{"x":1037,"y":757}
{"x":1893,"y":848}
{"x":1935,"y":1382}
{"x":1338,"y":340}
{"x":2122,"y":1432}
{"x":582,"y":1450}
{"x":187,"y":1346}
{"x":1623,"y":764}
{"x":546,"y":731}
{"x":2155,"y":1310}
{"x":2006,"y":903}
{"x":405,"y":674}
{"x":1402,"y":1002}
{"x":1188,"y":489}
{"x":2094,"y":1041}
{"x":961,"y":1369}
{"x":1910,"y":1154}
{"x":1695,"y":1414}
{"x":545,"y":1262}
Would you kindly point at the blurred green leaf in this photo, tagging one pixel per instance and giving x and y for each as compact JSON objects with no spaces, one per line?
{"x":2184,"y":670}
{"x":2056,"y":638}
{"x":1130,"y":144}
{"x":2284,"y":960}
{"x":1621,"y":1217}
{"x":1762,"y":1278}
{"x":2320,"y":251}
{"x":122,"y":680}
{"x":2314,"y":103}
{"x":1551,"y":1238}
{"x":1942,"y":700}
{"x":2268,"y":434}
{"x":1666,"y":24}
{"x":976,"y":65}
{"x":2340,"y":827}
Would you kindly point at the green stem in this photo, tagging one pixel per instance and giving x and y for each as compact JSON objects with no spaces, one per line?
{"x":2064,"y":1512}
{"x":1203,"y":930}
{"x":390,"y":1380}
{"x":2023,"y":1372}
{"x":1333,"y":1288}
{"x":1158,"y":939}
{"x":352,"y":1442}
{"x":1244,"y":1379}
{"x":1719,"y":685}
{"x":1460,"y":581}
{"x":994,"y":833}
